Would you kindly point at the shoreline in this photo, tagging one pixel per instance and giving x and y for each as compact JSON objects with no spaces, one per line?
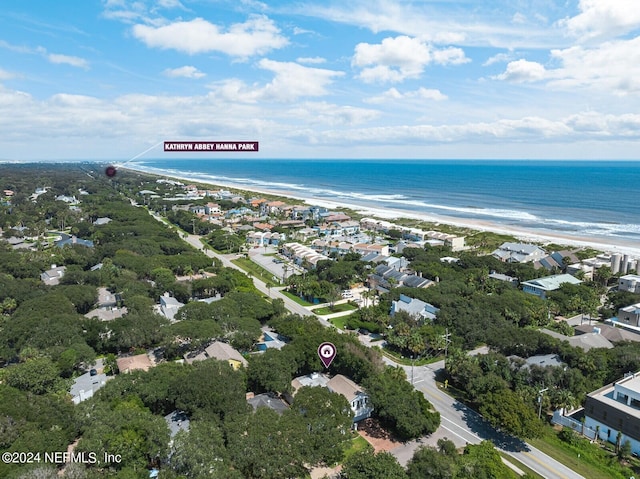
{"x":389,"y":214}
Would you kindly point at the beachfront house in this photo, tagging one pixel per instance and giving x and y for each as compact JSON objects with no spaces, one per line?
{"x":630,"y":283}
{"x":541,"y":286}
{"x":630,"y":315}
{"x":518,"y":253}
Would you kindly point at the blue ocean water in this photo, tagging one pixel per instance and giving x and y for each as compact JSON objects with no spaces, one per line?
{"x":586,"y":198}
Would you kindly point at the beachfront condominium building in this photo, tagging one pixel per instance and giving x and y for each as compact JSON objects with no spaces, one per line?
{"x":630,"y":283}
{"x":615,"y":409}
{"x":541,"y":286}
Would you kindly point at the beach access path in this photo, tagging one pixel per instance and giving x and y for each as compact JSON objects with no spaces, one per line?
{"x":458,"y":422}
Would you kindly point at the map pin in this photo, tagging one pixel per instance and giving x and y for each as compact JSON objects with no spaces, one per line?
{"x":326,"y":352}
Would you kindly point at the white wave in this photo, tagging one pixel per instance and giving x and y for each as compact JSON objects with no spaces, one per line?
{"x":332,"y":199}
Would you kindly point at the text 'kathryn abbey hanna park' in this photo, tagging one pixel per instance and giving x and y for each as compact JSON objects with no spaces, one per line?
{"x":211,"y":146}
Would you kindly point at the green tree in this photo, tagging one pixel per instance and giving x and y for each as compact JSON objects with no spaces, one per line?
{"x":506,"y":409}
{"x":428,"y":462}
{"x":201,"y":452}
{"x":367,"y":464}
{"x":326,"y":419}
{"x":38,"y":375}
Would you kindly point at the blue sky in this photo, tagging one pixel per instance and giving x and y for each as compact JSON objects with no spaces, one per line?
{"x":307,"y":79}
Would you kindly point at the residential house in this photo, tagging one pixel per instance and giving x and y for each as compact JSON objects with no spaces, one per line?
{"x":385,"y":277}
{"x":86,"y":385}
{"x":169,"y":306}
{"x":302,"y":255}
{"x":358,"y":399}
{"x":518,"y":253}
{"x":268,"y":400}
{"x":220,"y":351}
{"x":107,"y":309}
{"x":72,"y":240}
{"x":264,"y":238}
{"x":630,"y":283}
{"x":415,"y":307}
{"x":140,"y":362}
{"x":364,"y":248}
{"x":630,"y":315}
{"x":586,"y":342}
{"x":541,"y":286}
{"x":176,"y":421}
{"x":614,"y":409}
{"x":52,"y":276}
{"x":72,"y":200}
{"x":612,"y":333}
{"x":102,"y":221}
{"x":503,"y":277}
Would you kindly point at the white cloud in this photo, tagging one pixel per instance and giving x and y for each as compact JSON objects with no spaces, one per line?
{"x":6,"y":75}
{"x":442,"y":26}
{"x":521,"y":71}
{"x":611,"y":66}
{"x":393,"y":95}
{"x":68,"y":60}
{"x":186,"y":71}
{"x":257,"y":36}
{"x":291,"y":81}
{"x":311,"y":60}
{"x":498,"y":58}
{"x":322,"y":113}
{"x":574,"y":128}
{"x":400,"y":58}
{"x":603,"y":18}
{"x":170,"y":4}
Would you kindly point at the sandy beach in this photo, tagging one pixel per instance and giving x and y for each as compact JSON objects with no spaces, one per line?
{"x":610,"y":245}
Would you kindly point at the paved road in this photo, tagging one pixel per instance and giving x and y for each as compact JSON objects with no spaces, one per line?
{"x":463,"y":425}
{"x":458,"y":423}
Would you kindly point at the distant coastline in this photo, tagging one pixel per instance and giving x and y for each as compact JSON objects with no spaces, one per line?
{"x":611,"y":245}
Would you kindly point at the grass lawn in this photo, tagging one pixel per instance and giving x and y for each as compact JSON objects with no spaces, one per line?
{"x":588,"y":460}
{"x":340,"y":322}
{"x":255,"y":270}
{"x":295,"y":298}
{"x":407,"y":361}
{"x":358,"y":443}
{"x":338,"y":308}
{"x":521,"y":466}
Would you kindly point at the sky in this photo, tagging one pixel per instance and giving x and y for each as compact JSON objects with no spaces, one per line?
{"x":109,"y":79}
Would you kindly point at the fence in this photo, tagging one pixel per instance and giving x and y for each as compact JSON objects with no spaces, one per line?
{"x":577,"y":426}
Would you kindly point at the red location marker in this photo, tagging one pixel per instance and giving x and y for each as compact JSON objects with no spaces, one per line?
{"x":326,"y":352}
{"x":110,"y":171}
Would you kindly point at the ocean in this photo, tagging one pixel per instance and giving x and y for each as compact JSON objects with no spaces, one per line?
{"x":582,"y":198}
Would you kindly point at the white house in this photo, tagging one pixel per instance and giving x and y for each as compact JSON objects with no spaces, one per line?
{"x":630,"y":283}
{"x":541,"y":286}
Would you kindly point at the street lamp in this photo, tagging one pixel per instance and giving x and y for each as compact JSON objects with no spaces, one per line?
{"x":540,"y":393}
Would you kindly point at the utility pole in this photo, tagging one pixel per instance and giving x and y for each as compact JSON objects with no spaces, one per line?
{"x":540,"y":393}
{"x":446,"y":343}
